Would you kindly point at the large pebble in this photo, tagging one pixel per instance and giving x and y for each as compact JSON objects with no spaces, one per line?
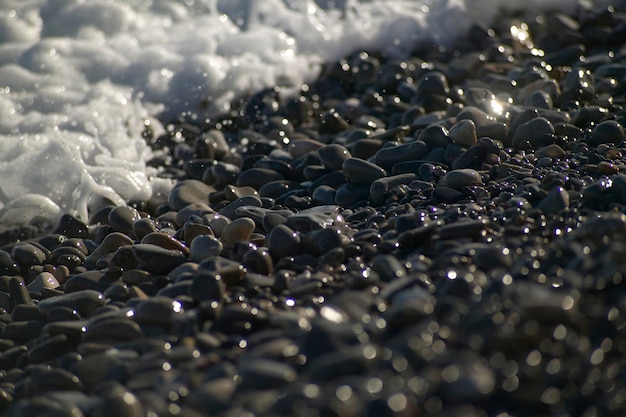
{"x":238,"y":230}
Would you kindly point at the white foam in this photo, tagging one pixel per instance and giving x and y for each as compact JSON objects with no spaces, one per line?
{"x":78,"y":78}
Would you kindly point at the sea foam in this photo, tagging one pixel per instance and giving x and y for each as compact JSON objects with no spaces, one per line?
{"x":80,"y":81}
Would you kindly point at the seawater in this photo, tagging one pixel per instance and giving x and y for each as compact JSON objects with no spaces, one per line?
{"x":80,"y":80}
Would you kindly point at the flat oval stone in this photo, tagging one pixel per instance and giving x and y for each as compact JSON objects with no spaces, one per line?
{"x":363,"y":172}
{"x":238,"y":230}
{"x":232,"y":272}
{"x":17,"y":290}
{"x":157,"y":260}
{"x":26,"y":255}
{"x":122,"y":218}
{"x":230,"y":210}
{"x":207,"y":287}
{"x":84,"y":302}
{"x":608,"y":131}
{"x":110,"y":244}
{"x":164,"y":241}
{"x":116,"y":329}
{"x":333,"y":156}
{"x":257,"y":177}
{"x":387,"y":157}
{"x":203,"y":247}
{"x":8,"y":266}
{"x":283,"y":241}
{"x":313,"y":218}
{"x":460,"y":178}
{"x":186,"y":192}
{"x":379,"y":188}
{"x":157,"y":310}
{"x":531,"y":132}
{"x":43,"y":280}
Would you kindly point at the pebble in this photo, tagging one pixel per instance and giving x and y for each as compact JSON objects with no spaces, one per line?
{"x":464,"y":133}
{"x":236,"y":231}
{"x":122,"y":218}
{"x":361,"y":171}
{"x":187,"y":192}
{"x":156,"y":259}
{"x":333,"y":156}
{"x":203,"y":247}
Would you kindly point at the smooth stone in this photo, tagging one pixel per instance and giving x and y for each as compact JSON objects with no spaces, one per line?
{"x":22,"y":331}
{"x":144,"y":226}
{"x":333,"y":156}
{"x":283,"y":241}
{"x":122,"y":218}
{"x":448,"y":195}
{"x":70,"y":226}
{"x":275,"y":189}
{"x":216,"y":222}
{"x":257,"y":177}
{"x":314,"y":218}
{"x":223,"y":174}
{"x":193,"y":230}
{"x":164,"y":241}
{"x":186,"y":192}
{"x":435,"y":137}
{"x":460,"y":178}
{"x":259,"y":261}
{"x":233,"y":193}
{"x":230,"y":210}
{"x":464,"y":133}
{"x":388,"y":267}
{"x":380,"y":187}
{"x":319,"y":242}
{"x":115,"y":400}
{"x":88,"y":280}
{"x":158,"y":310}
{"x":552,"y":151}
{"x":203,"y":247}
{"x":214,"y":396}
{"x":351,"y":193}
{"x":27,"y":255}
{"x":557,"y":200}
{"x":539,"y":99}
{"x":387,"y":157}
{"x":300,"y":147}
{"x":190,"y":211}
{"x":156,"y":259}
{"x":24,"y":312}
{"x":8,"y":266}
{"x":207,"y":287}
{"x":266,"y":374}
{"x":110,"y":244}
{"x":366,"y":148}
{"x":238,"y":230}
{"x":332,"y":122}
{"x":363,"y":172}
{"x":115,"y":329}
{"x":531,"y":132}
{"x":18,"y":291}
{"x":476,"y":115}
{"x":433,"y":82}
{"x":232,"y":272}
{"x":43,"y":280}
{"x":608,"y":131}
{"x":55,"y":379}
{"x":324,"y":194}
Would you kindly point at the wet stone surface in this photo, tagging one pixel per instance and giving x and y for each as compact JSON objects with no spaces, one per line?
{"x":438,"y":235}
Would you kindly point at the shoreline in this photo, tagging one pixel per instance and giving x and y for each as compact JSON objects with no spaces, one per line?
{"x":438,"y":235}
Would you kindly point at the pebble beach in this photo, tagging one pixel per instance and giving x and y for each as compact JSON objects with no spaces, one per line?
{"x":441,"y":235}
